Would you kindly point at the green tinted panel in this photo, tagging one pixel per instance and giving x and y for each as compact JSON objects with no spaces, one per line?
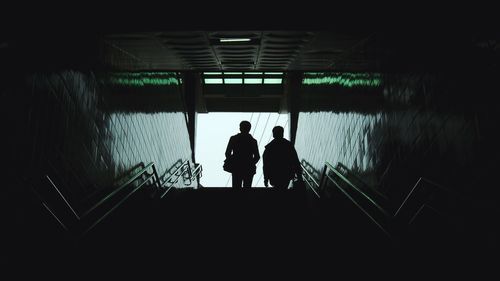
{"x":343,"y":79}
{"x":139,"y":79}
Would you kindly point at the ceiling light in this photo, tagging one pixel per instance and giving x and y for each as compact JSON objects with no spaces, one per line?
{"x":228,"y":40}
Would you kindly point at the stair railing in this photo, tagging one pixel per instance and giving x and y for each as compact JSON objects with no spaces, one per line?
{"x":187,"y":174}
{"x":319,"y":187}
{"x":163,"y":187}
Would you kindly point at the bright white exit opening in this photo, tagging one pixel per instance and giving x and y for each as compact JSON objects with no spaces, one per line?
{"x":213,"y":133}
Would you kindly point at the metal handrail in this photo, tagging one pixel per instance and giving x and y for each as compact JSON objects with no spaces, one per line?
{"x":82,"y":215}
{"x":196,"y":172}
{"x":170,"y":180}
{"x":115,"y":206}
{"x":330,"y":166}
{"x":413,"y":190}
{"x":184,"y":168}
{"x":125,"y":184}
{"x":63,"y":198}
{"x":360,"y":207}
{"x":311,"y":179}
{"x":342,"y":166}
{"x":140,"y":173}
{"x":325,"y":174}
{"x":356,"y":188}
{"x":388,"y":215}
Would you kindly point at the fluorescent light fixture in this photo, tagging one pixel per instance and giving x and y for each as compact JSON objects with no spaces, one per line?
{"x":233,"y":81}
{"x":227,"y":40}
{"x":253,"y":80}
{"x":213,"y":80}
{"x":272,"y":81}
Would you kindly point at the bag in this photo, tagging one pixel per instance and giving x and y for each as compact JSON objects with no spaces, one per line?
{"x":229,"y":164}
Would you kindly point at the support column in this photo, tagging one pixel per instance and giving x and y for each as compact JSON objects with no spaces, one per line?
{"x":292,"y":92}
{"x":191,"y":89}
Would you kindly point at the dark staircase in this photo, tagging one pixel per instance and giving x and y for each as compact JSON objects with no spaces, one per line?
{"x":221,"y":223}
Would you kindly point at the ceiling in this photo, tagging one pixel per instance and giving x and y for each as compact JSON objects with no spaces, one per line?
{"x":347,"y":51}
{"x":264,"y":51}
{"x":354,"y":50}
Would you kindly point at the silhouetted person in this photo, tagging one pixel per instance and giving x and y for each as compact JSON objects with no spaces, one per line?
{"x":245,"y":151}
{"x":281,"y":163}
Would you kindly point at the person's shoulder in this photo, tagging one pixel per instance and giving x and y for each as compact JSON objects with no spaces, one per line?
{"x":271,"y":144}
{"x":287,"y":143}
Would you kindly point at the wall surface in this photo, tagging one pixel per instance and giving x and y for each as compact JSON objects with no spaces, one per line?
{"x":439,"y":126}
{"x":84,"y":133}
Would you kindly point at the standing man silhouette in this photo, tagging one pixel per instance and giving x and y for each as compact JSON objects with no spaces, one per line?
{"x":243,"y":148}
{"x":281,"y":163}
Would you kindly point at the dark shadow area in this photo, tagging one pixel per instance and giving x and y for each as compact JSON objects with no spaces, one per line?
{"x":79,"y":117}
{"x":316,"y":98}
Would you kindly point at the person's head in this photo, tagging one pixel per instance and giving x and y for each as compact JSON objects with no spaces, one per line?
{"x":278,"y":132}
{"x":245,"y":127}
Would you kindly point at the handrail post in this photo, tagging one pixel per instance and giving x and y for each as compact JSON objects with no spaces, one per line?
{"x":190,"y":170}
{"x":186,"y":172}
{"x":157,"y":178}
{"x":322,"y":179}
{"x":310,"y":180}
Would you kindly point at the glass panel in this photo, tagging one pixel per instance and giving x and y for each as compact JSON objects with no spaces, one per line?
{"x":233,"y":73}
{"x":212,"y":73}
{"x":273,"y":73}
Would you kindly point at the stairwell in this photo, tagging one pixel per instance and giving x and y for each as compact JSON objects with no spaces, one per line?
{"x":223,"y":223}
